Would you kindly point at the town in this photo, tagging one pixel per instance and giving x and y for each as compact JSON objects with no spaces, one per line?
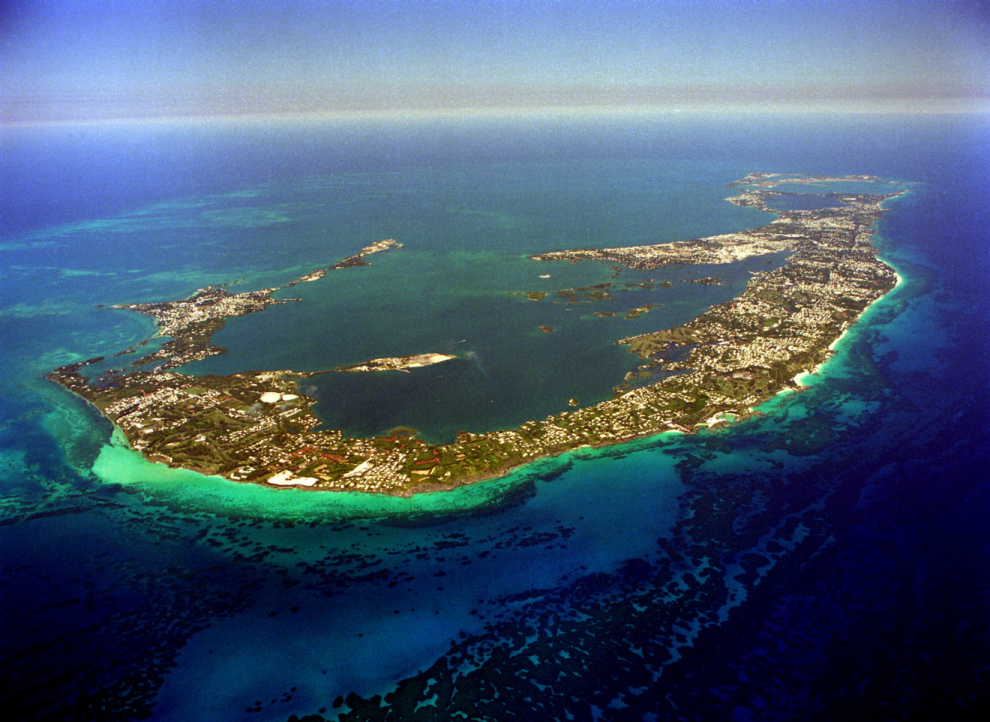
{"x":258,"y":427}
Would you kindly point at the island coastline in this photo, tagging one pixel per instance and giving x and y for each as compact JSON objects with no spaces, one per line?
{"x":214,"y":425}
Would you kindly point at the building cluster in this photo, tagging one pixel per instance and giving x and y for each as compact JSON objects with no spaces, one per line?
{"x":177,"y":318}
{"x":257,"y":427}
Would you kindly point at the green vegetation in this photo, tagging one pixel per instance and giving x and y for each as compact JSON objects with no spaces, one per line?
{"x":260,"y":427}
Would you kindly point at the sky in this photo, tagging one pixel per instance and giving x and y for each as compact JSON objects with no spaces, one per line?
{"x":109,"y":60}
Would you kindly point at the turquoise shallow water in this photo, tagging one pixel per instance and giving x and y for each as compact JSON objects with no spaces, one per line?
{"x":827,"y":556}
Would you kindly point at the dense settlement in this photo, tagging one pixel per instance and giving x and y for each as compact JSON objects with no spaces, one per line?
{"x":258,"y":427}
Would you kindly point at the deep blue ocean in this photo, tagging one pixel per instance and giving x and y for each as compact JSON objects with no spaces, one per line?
{"x":828,"y":559}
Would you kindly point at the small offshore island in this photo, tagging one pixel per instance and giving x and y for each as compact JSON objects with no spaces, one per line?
{"x":258,"y":427}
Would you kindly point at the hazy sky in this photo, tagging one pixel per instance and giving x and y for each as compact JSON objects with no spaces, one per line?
{"x":106,"y":59}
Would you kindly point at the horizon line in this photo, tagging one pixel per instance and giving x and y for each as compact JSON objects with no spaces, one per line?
{"x":479,"y":112}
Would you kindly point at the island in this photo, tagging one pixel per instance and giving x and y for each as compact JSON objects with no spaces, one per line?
{"x":258,"y":426}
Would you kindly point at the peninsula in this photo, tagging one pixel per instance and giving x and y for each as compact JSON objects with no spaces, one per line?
{"x":258,"y":427}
